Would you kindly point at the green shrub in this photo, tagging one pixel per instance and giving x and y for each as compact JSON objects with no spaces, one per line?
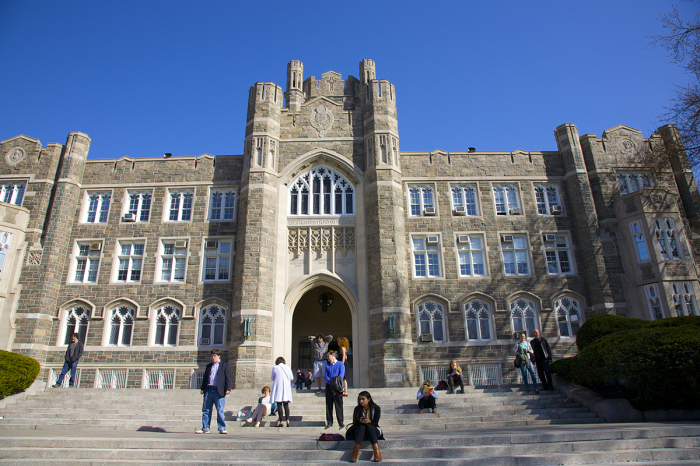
{"x":599,"y":326}
{"x":655,"y":367}
{"x":17,"y":373}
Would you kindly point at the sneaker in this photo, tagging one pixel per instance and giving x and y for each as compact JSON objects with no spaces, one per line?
{"x":223,"y":431}
{"x":201,"y":431}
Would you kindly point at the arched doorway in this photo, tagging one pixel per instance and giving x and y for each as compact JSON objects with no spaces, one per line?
{"x":320,"y":310}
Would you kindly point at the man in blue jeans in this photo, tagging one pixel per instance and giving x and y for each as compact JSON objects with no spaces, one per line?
{"x":73,"y":354}
{"x":216,"y":384}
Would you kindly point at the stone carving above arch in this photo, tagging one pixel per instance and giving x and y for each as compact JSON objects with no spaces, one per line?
{"x":186,"y":313}
{"x":326,"y":157}
{"x":321,"y":119}
{"x":15,"y":156}
{"x":77,"y":302}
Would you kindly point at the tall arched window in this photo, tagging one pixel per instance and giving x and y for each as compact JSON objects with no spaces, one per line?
{"x":76,"y":322}
{"x":167,"y":325}
{"x":523,"y":316}
{"x":212,"y":326}
{"x":121,"y":326}
{"x":430,"y":316}
{"x":568,"y":316}
{"x":478,"y":316}
{"x":321,"y":191}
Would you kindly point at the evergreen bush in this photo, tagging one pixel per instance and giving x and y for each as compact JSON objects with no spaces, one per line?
{"x":599,"y":326}
{"x":17,"y":373}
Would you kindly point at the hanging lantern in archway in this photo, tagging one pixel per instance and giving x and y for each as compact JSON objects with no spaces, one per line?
{"x":326,"y":299}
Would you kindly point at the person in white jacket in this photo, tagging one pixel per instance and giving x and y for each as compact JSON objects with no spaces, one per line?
{"x":282,"y":378}
{"x":426,"y":397}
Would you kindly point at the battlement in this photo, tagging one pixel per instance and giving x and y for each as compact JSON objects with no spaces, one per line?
{"x":266,"y":92}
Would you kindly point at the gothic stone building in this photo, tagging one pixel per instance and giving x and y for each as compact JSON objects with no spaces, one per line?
{"x":324,"y":225}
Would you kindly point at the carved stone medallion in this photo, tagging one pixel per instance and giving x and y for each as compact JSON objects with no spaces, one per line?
{"x":321,"y":119}
{"x":626,"y":145}
{"x":15,"y":156}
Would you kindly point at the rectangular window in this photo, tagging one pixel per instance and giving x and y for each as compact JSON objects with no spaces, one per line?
{"x":12,"y":192}
{"x":639,"y":241}
{"x":426,"y":256}
{"x":86,"y":261}
{"x":222,"y":204}
{"x":667,"y":238}
{"x":217,"y":260}
{"x":471,"y":255}
{"x":464,"y":200}
{"x":558,"y":254}
{"x":515,"y":255}
{"x":506,"y":199}
{"x":139,"y":205}
{"x":630,"y":182}
{"x":130,"y":260}
{"x":180,"y":206}
{"x":173,"y":256}
{"x":547,"y":197}
{"x":421,"y":201}
{"x":98,"y":207}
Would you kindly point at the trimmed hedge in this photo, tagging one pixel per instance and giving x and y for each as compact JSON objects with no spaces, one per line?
{"x":17,"y":373}
{"x":599,"y":326}
{"x":656,"y":366}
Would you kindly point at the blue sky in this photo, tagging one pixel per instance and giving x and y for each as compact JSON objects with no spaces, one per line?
{"x":146,"y":77}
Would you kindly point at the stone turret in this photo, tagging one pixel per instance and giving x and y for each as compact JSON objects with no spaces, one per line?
{"x":295,"y":79}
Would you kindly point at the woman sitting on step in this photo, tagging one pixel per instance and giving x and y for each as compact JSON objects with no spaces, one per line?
{"x":426,"y":397}
{"x":365,"y":426}
{"x":454,"y":374}
{"x":263,"y":409}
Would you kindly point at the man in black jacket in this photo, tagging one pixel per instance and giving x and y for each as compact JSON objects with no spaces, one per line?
{"x":216,"y":384}
{"x":543,"y":356}
{"x":73,"y":354}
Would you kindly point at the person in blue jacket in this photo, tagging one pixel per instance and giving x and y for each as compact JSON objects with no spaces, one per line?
{"x":334,"y":369}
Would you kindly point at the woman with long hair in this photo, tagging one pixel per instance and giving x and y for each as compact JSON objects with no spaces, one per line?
{"x":282,"y":389}
{"x":263,"y":408}
{"x":426,"y":397}
{"x":365,"y":426}
{"x":523,"y":350}
{"x":454,"y":374}
{"x":344,"y":346}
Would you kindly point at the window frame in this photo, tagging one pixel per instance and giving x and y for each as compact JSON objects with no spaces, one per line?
{"x":440,"y":308}
{"x":569,"y":248}
{"x":138,"y":213}
{"x":535,"y":309}
{"x":157,"y":279}
{"x":5,"y":243}
{"x":507,"y":202}
{"x":155,"y":314}
{"x":116,"y":260}
{"x":423,"y":187}
{"x":470,"y":252}
{"x":426,"y":263}
{"x":487,"y":307}
{"x":76,"y":257}
{"x":17,"y":187}
{"x":462,"y":187}
{"x":225,"y":192}
{"x":527,"y":250}
{"x":305,"y":180}
{"x":99,"y":211}
{"x":638,"y":239}
{"x":687,"y":300}
{"x":108,"y":327}
{"x":547,"y":204}
{"x":200,"y":325}
{"x":230,"y":255}
{"x":559,"y":306}
{"x":641,"y":178}
{"x":64,"y":334}
{"x":168,"y":203}
{"x":651,"y":293}
{"x":663,"y":242}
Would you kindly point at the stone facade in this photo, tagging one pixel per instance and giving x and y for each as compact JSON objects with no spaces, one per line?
{"x":324,"y":225}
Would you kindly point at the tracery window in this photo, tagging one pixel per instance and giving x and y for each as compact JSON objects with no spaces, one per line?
{"x":478,"y":316}
{"x":430,"y":316}
{"x":667,"y":238}
{"x":630,"y":182}
{"x":76,"y":322}
{"x":12,"y":192}
{"x":421,"y":200}
{"x":98,"y":207}
{"x":547,"y":197}
{"x":222,"y":204}
{"x":464,"y":199}
{"x":654,"y":301}
{"x":167,"y":325}
{"x":321,"y":191}
{"x":121,"y":326}
{"x":506,"y":199}
{"x":140,"y":205}
{"x":639,"y":242}
{"x":684,"y":300}
{"x":523,"y":316}
{"x":212,"y":326}
{"x":180,"y":205}
{"x":568,"y":316}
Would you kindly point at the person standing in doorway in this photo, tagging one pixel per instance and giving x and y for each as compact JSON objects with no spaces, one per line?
{"x":216,"y":384}
{"x":344,"y":347}
{"x":334,"y":393}
{"x":73,"y":354}
{"x":320,"y":346}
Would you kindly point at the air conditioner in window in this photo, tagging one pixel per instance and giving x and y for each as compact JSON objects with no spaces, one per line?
{"x":211,"y":244}
{"x":95,"y":246}
{"x":507,"y":239}
{"x":549,"y":238}
{"x":462,"y":239}
{"x":181,"y":244}
{"x":129,"y":217}
{"x":515,"y":211}
{"x":460,"y":210}
{"x":429,"y":211}
{"x":205,"y":341}
{"x":432,"y":240}
{"x":555,"y":210}
{"x":426,"y":338}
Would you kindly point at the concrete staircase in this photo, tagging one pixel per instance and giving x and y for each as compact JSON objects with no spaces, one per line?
{"x":496,"y":427}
